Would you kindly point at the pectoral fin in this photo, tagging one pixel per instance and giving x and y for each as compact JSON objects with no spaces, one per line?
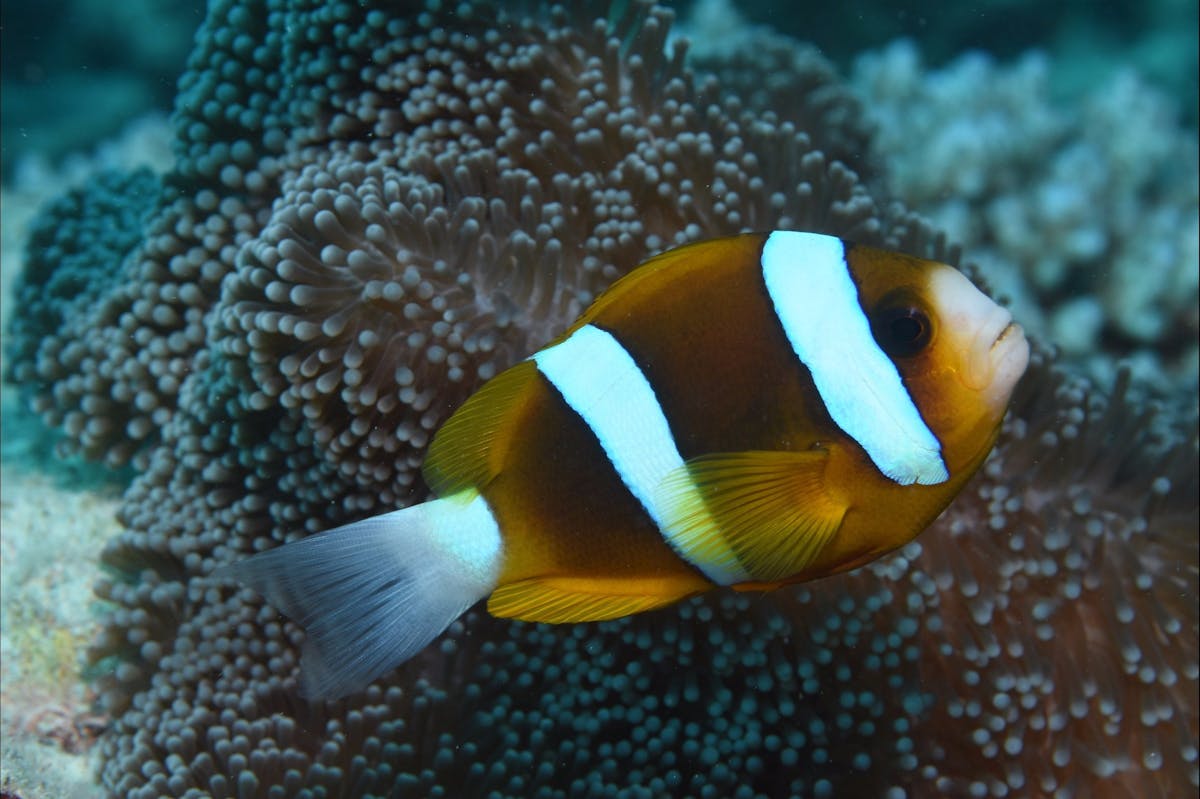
{"x":771,"y":509}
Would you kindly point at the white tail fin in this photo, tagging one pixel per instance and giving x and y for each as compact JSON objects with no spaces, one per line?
{"x":372,"y":594}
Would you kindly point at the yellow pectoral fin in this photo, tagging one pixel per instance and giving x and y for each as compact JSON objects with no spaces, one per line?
{"x":559,"y":600}
{"x":771,"y":509}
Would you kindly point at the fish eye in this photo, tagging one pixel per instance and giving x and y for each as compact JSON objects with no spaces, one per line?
{"x":902,"y":331}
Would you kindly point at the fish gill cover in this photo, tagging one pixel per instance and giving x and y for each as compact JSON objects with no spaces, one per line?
{"x":376,"y":207}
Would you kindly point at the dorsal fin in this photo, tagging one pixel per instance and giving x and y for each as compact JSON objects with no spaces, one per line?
{"x":467,"y":451}
{"x":691,"y":258}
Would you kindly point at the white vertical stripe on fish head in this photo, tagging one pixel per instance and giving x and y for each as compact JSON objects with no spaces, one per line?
{"x":600,"y":381}
{"x":809,"y":282}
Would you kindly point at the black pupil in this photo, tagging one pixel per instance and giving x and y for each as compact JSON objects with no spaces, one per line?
{"x":902,"y":331}
{"x":906,"y":329}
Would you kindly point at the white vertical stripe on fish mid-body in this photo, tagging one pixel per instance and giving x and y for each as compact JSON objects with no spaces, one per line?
{"x":808,"y":279}
{"x":600,"y":381}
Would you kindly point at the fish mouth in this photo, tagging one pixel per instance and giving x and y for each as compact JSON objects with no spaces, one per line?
{"x":1009,"y":356}
{"x":999,"y":355}
{"x":1011,"y":327}
{"x":997,"y":327}
{"x":1010,"y":353}
{"x":990,"y":350}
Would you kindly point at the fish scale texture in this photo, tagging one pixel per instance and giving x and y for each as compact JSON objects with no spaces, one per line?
{"x":375,"y":207}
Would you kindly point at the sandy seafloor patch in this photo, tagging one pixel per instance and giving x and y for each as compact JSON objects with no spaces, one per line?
{"x":55,"y":518}
{"x":51,"y":535}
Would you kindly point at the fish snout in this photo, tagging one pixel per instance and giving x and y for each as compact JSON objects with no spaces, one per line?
{"x":992,"y":347}
{"x":997,"y":357}
{"x":1009,"y":355}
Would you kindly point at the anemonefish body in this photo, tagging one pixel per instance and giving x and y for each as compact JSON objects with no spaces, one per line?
{"x":747,"y":412}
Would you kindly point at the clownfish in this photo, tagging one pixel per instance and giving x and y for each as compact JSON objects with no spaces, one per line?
{"x":747,"y":412}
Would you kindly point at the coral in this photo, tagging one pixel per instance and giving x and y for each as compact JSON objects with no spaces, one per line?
{"x":1039,"y":639}
{"x":1157,"y":38}
{"x":373,"y":211}
{"x":627,"y":198}
{"x":760,"y":68}
{"x":75,"y":256}
{"x":392,"y":275}
{"x":1090,"y":223}
{"x":1055,"y":597}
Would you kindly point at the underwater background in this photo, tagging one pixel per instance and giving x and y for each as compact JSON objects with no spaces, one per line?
{"x":173,"y":398}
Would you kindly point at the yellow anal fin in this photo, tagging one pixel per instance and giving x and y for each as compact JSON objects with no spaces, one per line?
{"x":468,"y":449}
{"x":772,"y":509}
{"x":561,"y":600}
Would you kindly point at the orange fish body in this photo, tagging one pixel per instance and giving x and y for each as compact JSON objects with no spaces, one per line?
{"x":745,"y":412}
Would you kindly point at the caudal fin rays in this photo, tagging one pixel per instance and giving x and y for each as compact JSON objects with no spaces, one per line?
{"x":372,"y":594}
